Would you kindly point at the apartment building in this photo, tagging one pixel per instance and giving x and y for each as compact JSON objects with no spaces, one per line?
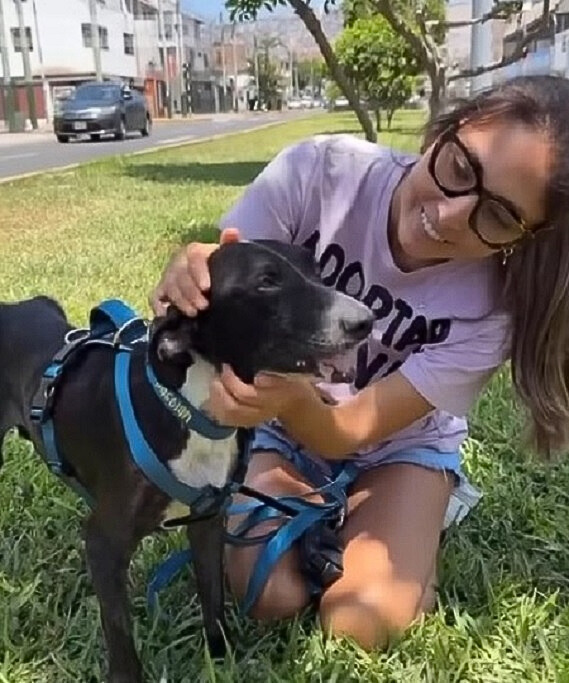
{"x":549,"y":52}
{"x":141,"y":42}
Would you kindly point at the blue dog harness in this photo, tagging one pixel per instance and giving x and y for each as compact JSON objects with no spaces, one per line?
{"x":114,"y":324}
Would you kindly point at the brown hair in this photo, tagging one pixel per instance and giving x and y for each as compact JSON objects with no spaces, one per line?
{"x":536,"y":275}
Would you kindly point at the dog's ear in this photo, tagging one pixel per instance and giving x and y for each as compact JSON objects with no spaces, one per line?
{"x":171,"y":337}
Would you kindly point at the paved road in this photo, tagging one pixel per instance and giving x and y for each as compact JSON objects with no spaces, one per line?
{"x":25,"y":153}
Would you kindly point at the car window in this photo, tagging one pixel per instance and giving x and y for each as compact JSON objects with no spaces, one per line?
{"x":104,"y":93}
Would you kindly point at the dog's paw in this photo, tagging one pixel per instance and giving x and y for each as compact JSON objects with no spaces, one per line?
{"x":218,"y":646}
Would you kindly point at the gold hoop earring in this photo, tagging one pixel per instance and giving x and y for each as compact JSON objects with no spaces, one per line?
{"x":506,"y":253}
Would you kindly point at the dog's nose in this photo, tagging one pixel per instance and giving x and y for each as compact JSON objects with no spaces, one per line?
{"x":358,"y":325}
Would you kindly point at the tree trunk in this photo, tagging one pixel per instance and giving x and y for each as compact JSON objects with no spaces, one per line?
{"x":377,"y":113}
{"x":313,"y":25}
{"x":437,"y":96}
{"x":390,"y":113}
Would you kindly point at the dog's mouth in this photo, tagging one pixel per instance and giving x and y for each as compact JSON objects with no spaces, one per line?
{"x":336,"y":366}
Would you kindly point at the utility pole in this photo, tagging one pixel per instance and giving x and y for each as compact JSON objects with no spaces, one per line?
{"x":96,"y":40}
{"x":181,"y":80}
{"x":25,"y":49}
{"x":223,"y":63}
{"x":256,"y":63}
{"x":165,"y":61}
{"x":45,"y":84}
{"x":234,"y":54}
{"x":8,"y":90}
{"x":481,"y":46}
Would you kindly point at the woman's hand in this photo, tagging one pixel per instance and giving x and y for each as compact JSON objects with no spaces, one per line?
{"x":185,"y":279}
{"x":232,"y":402}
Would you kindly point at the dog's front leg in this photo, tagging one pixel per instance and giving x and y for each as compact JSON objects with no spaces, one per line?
{"x":207,"y":539}
{"x":108,"y":558}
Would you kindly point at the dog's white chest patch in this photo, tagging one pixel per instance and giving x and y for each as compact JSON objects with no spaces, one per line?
{"x":203,"y":461}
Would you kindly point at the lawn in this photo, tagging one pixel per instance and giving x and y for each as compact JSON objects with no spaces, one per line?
{"x":106,"y":229}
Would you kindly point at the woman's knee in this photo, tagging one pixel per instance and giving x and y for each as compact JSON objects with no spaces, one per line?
{"x":372,"y":613}
{"x":284,"y":594}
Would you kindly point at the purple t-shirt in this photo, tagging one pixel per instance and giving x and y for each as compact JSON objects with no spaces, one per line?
{"x":441,"y":326}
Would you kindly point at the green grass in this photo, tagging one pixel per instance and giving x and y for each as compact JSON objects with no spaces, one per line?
{"x":106,"y":229}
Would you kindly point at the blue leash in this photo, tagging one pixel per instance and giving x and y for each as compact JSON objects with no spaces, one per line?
{"x":303,"y":514}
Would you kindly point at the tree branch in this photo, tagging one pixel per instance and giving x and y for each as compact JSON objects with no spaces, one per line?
{"x":384,"y":8}
{"x":310,"y":20}
{"x":525,"y":37}
{"x":502,"y":10}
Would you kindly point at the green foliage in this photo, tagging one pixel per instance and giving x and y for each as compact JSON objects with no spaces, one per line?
{"x":246,"y":10}
{"x":406,"y":10}
{"x":311,"y":71}
{"x":379,"y":60}
{"x":269,"y":74}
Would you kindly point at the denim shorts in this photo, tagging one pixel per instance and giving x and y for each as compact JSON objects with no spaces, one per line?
{"x":317,"y":471}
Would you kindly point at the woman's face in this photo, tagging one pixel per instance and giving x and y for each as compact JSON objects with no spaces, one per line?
{"x":513,"y":164}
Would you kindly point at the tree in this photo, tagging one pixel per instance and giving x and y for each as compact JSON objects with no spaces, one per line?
{"x":421,"y":23}
{"x":380,"y":61}
{"x":310,"y":73}
{"x":245,"y":10}
{"x":266,"y":71}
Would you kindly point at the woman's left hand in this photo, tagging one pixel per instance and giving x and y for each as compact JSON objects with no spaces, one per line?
{"x":234,"y":403}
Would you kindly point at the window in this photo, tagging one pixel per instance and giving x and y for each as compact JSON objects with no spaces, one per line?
{"x":103,"y":38}
{"x":86,"y":35}
{"x":88,"y":38}
{"x":128,"y":43}
{"x":16,"y":39}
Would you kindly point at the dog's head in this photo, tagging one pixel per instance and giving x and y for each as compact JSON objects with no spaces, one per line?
{"x":268,"y":311}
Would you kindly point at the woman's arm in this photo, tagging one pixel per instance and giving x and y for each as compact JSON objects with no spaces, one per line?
{"x":371,"y":416}
{"x":332,"y":431}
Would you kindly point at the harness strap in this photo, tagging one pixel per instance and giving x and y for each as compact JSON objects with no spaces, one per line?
{"x":110,"y":317}
{"x":189,"y":416}
{"x":114,"y":317}
{"x":199,"y":500}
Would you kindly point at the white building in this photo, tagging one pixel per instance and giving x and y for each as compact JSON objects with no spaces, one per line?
{"x":59,"y":37}
{"x":143,"y":42}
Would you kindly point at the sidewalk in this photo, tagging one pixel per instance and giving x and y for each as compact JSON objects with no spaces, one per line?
{"x":46,"y":126}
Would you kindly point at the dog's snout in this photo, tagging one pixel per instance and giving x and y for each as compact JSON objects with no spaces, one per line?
{"x":349,"y":320}
{"x":357,"y":322}
{"x":357,"y":326}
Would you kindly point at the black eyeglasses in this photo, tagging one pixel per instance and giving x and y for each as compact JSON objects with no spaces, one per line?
{"x":457,"y":173}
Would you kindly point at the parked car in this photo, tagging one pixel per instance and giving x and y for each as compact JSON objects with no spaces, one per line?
{"x":340,"y":103}
{"x":101,"y":108}
{"x":294,"y":103}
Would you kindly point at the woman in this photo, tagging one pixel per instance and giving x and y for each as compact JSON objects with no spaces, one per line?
{"x":462,"y":253}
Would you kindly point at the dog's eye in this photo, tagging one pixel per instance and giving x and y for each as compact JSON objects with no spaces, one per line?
{"x":268,"y":281}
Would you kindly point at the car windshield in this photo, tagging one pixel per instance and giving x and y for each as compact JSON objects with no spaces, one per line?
{"x":104,"y":93}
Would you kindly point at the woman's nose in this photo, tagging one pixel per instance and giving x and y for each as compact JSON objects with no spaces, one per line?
{"x":454,"y":212}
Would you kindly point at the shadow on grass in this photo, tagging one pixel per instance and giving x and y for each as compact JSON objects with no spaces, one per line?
{"x":399,"y":130}
{"x":232,"y":173}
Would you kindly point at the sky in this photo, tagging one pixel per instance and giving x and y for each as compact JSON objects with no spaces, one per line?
{"x":212,"y":8}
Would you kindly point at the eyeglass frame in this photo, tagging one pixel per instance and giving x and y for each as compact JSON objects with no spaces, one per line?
{"x":480,"y":191}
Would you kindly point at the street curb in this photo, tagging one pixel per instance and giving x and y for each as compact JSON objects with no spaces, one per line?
{"x":158,"y":148}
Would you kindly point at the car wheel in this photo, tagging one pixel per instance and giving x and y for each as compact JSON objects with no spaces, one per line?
{"x":95,"y":137}
{"x":62,"y":138}
{"x":120,"y":133}
{"x":145,"y":132}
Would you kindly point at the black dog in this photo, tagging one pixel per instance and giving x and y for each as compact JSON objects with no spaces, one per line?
{"x":267,"y":311}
